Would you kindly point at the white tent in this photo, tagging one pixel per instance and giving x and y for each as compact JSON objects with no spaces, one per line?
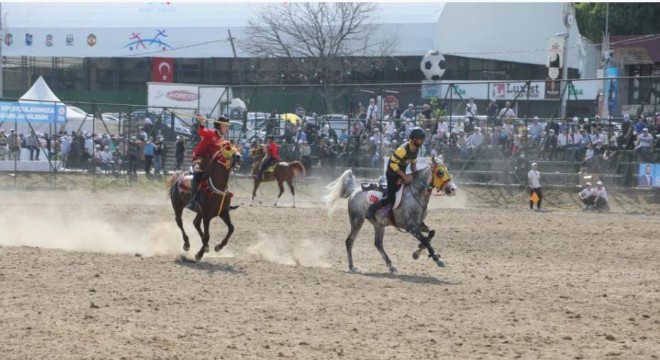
{"x":41,"y":92}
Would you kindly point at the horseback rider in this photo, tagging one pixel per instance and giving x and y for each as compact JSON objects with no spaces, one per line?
{"x":272,"y":151}
{"x":396,"y":169}
{"x":210,"y":142}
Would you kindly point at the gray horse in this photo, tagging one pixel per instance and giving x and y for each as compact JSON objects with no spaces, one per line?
{"x":408,"y":216}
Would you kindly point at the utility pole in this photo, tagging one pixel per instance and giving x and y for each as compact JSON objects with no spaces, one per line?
{"x":233,"y":49}
{"x":2,"y":65}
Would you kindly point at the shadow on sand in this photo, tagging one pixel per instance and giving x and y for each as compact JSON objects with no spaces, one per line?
{"x":415,"y":279}
{"x":211,"y":268}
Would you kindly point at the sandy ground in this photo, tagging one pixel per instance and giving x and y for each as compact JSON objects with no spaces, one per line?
{"x":100,"y":275}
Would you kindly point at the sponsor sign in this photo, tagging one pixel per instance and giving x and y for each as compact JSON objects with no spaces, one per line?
{"x":648,"y":175}
{"x":37,"y":113}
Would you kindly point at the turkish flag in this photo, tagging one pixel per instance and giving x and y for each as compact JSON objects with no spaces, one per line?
{"x":162,"y":70}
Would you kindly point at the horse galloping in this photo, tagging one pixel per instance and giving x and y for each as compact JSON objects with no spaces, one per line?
{"x":281,"y":171}
{"x":408,"y":215}
{"x":213,"y":198}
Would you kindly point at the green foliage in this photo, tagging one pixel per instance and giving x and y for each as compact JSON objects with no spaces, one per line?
{"x":438,"y":109}
{"x":624,"y":19}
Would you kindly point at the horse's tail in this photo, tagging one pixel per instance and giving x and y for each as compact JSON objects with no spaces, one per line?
{"x":298,"y":168}
{"x":343,"y":186}
{"x":171,"y":182}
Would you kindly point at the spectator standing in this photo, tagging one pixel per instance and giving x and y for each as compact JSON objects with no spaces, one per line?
{"x":159,"y":151}
{"x":491,"y":112}
{"x":534,"y":185}
{"x":179,"y":151}
{"x":14,"y":145}
{"x":507,"y":112}
{"x":536,"y":131}
{"x":133,"y":153}
{"x":4,"y":148}
{"x":148,"y":156}
{"x":32,"y":143}
{"x":409,"y":113}
{"x":373,"y":113}
{"x":471,"y":109}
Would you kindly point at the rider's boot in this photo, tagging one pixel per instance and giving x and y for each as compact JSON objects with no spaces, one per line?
{"x":194,"y":184}
{"x":371,"y":211}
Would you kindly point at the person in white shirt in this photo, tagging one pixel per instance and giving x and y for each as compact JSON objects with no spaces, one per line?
{"x":372,"y":111}
{"x":587,"y":196}
{"x":644,"y":145}
{"x":562,"y":143}
{"x":600,"y":201}
{"x":534,"y":185}
{"x":471,"y":109}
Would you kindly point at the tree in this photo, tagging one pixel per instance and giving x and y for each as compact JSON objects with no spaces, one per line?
{"x":321,"y":42}
{"x":624,"y":19}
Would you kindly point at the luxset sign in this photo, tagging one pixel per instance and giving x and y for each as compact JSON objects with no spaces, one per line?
{"x":582,"y":90}
{"x":509,"y":91}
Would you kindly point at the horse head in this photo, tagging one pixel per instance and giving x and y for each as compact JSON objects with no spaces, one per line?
{"x":229,"y":155}
{"x":442,"y":179}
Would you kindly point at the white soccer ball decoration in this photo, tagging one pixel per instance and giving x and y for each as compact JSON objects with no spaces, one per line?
{"x":433,"y":65}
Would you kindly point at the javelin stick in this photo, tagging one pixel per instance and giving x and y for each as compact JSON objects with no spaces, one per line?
{"x":199,"y":117}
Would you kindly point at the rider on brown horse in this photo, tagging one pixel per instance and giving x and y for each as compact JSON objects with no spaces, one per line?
{"x":210,"y":142}
{"x":272,"y":155}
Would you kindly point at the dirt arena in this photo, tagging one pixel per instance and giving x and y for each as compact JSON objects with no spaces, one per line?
{"x":99,"y":275}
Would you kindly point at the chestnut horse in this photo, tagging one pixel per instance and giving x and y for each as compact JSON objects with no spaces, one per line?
{"x":282,"y":171}
{"x":213,"y":198}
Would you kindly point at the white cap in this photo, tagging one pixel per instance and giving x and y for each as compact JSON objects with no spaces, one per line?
{"x":626,"y":116}
{"x":534,"y":164}
{"x":599,"y":182}
{"x":588,"y":183}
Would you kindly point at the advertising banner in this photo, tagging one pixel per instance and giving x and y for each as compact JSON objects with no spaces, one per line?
{"x":648,"y":175}
{"x":36,"y":113}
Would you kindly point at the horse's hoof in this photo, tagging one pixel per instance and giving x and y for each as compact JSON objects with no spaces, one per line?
{"x":393,"y":269}
{"x":440,"y":263}
{"x":206,"y":249}
{"x":198,"y":257}
{"x":431,"y":235}
{"x":217,"y":248}
{"x":352,"y":269}
{"x":186,"y":247}
{"x":416,"y":254}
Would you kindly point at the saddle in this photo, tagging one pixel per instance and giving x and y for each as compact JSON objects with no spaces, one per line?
{"x":380,"y":185}
{"x":272,"y":166}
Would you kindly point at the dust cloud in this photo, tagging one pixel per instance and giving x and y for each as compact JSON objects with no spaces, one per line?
{"x":292,"y":252}
{"x":50,"y":228}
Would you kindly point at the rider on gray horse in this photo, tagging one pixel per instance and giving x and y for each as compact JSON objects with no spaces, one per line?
{"x":396,"y":169}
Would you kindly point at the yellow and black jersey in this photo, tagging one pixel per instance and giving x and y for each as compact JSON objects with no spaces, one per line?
{"x":402,"y":157}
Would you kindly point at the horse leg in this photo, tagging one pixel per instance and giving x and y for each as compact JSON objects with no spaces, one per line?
{"x":426,"y":242}
{"x":205,"y":240}
{"x":230,"y":229}
{"x":178,"y":210}
{"x":293,"y":191}
{"x":421,"y":247}
{"x":281,"y":186}
{"x":356,"y":225}
{"x":378,"y":241}
{"x":197,"y":222}
{"x":254,"y":190}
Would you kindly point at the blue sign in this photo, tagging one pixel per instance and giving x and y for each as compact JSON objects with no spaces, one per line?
{"x":648,"y":175}
{"x":32,"y":112}
{"x":611,"y":88}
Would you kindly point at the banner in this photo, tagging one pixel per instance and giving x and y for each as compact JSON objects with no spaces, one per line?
{"x":36,"y":113}
{"x":162,"y":70}
{"x":648,"y":175}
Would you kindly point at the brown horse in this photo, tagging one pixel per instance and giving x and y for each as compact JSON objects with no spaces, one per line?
{"x":282,"y":171}
{"x":213,"y":198}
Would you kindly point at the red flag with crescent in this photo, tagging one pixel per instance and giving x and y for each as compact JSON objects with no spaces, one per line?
{"x":162,"y":70}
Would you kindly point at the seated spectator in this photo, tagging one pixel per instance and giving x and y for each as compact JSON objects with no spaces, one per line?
{"x":107,"y":160}
{"x":600,"y":202}
{"x":587,"y":196}
{"x":644,"y":145}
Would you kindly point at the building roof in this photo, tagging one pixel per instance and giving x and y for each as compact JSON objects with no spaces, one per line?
{"x":637,"y":49}
{"x":197,"y":30}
